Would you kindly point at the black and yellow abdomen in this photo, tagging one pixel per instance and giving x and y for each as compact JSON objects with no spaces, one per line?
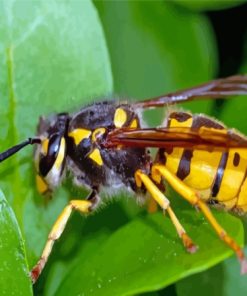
{"x":219,"y":177}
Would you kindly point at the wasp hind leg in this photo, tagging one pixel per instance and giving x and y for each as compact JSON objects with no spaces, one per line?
{"x":84,"y":207}
{"x":191,"y":196}
{"x":164,"y":203}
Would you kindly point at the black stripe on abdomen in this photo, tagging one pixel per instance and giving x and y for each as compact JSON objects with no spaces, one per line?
{"x":219,"y":174}
{"x":184,"y":164}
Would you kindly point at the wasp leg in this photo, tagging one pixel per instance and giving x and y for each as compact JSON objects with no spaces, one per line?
{"x":83,"y":206}
{"x":152,"y":206}
{"x":191,"y":196}
{"x":164,"y":203}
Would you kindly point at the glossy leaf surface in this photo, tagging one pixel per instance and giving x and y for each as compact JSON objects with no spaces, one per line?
{"x":223,"y":279}
{"x":53,"y":58}
{"x":146,"y":255}
{"x":14,"y":277}
{"x":157,"y":48}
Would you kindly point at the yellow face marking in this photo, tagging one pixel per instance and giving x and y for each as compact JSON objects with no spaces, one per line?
{"x":134,"y":124}
{"x":120,"y":117}
{"x":96,"y":157}
{"x":61,"y":154}
{"x":79,"y":134}
{"x":98,"y":132}
{"x":41,"y":185}
{"x":44,"y":146}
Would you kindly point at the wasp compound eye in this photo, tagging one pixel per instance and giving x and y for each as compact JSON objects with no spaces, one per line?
{"x":54,"y":155}
{"x":52,"y":149}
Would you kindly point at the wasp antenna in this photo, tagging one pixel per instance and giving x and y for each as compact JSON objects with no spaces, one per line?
{"x":6,"y":154}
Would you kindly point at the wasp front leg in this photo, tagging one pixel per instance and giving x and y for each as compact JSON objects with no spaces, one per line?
{"x":164,"y":203}
{"x":84,"y":207}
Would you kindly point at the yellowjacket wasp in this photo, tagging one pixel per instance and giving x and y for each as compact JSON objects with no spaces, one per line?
{"x":104,"y":145}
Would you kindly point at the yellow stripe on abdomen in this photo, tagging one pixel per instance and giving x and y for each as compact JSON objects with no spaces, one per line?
{"x":203,"y":168}
{"x":173,"y":159}
{"x":233,"y":176}
{"x":242,"y":197}
{"x":218,"y":176}
{"x":197,"y":168}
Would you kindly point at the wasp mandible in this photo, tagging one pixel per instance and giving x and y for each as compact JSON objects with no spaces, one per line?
{"x":104,"y":145}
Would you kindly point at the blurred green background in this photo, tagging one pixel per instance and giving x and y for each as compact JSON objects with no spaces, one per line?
{"x":58,"y":56}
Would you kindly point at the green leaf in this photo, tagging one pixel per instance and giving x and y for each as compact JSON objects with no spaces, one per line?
{"x":82,"y":236}
{"x":223,"y":279}
{"x":14,"y":277}
{"x":59,"y":269}
{"x":157,"y":48}
{"x":146,"y":255}
{"x":202,"y":5}
{"x":53,"y":58}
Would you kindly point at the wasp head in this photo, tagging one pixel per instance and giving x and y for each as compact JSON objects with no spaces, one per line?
{"x":50,"y":156}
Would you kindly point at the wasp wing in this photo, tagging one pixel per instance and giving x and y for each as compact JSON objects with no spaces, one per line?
{"x":219,"y":88}
{"x":202,"y":138}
